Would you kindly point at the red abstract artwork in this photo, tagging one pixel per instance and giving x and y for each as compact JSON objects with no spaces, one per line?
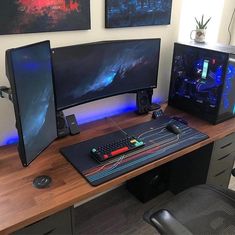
{"x":25,"y":16}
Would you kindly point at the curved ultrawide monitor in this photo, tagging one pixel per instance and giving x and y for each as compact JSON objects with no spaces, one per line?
{"x":29,"y":71}
{"x":88,"y":72}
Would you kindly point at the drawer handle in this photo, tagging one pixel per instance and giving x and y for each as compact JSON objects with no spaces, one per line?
{"x":49,"y":232}
{"x":220,"y":173}
{"x":222,"y":147}
{"x":224,"y":157}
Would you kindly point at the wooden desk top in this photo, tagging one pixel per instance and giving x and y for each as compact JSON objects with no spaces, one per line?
{"x":21,"y":204}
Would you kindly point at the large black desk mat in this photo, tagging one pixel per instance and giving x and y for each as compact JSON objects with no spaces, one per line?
{"x":159,"y":142}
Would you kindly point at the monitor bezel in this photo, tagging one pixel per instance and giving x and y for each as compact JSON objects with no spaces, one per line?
{"x":11,"y":77}
{"x":158,"y":40}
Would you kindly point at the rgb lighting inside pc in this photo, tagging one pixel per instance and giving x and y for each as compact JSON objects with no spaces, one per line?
{"x":198,"y":75}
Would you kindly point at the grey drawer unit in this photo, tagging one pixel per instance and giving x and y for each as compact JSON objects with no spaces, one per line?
{"x":222,"y":160}
{"x":224,"y":146}
{"x":59,"y":223}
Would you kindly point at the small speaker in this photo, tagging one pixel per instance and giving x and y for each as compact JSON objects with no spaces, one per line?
{"x":152,"y":106}
{"x":62,"y":127}
{"x":72,"y":125}
{"x":142,"y":102}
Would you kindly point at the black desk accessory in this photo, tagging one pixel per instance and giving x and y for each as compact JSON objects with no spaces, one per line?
{"x":159,"y":142}
{"x":158,"y":113}
{"x":42,"y":181}
{"x":72,"y":124}
{"x":154,"y":106}
{"x":6,"y":92}
{"x":142,"y":102}
{"x":173,"y":128}
{"x":62,"y":126}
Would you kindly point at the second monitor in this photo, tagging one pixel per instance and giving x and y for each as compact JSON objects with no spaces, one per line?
{"x":88,"y":72}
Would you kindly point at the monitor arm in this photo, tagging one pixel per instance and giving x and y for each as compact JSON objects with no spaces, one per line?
{"x":5,"y":92}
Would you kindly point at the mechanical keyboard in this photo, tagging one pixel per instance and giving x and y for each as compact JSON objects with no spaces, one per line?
{"x":121,"y":146}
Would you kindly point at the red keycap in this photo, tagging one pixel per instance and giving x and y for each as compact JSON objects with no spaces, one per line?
{"x":106,"y":156}
{"x":118,"y":151}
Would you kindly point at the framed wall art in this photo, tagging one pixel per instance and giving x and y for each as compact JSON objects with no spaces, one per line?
{"x":30,"y":16}
{"x":131,"y":13}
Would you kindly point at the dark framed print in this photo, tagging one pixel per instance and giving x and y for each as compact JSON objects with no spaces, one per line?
{"x":131,"y":13}
{"x":31,"y":16}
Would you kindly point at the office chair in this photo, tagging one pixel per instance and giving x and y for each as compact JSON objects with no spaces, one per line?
{"x":202,"y":209}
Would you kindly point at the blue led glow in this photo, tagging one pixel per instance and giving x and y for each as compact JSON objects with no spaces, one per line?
{"x":234,"y":109}
{"x":230,"y":75}
{"x":92,"y":116}
{"x":11,"y":140}
{"x":118,"y":110}
{"x":85,"y":118}
{"x":199,"y":64}
{"x":218,"y":75}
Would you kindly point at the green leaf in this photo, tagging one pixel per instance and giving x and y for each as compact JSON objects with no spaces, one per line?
{"x":197,"y":22}
{"x":204,"y":26}
{"x":200,"y":24}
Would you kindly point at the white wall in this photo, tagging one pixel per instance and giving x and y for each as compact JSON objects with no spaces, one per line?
{"x":233,"y":27}
{"x":168,"y":34}
{"x":197,"y":8}
{"x":229,"y":6}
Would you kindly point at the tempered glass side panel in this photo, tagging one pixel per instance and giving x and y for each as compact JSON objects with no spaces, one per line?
{"x":197,"y":80}
{"x":88,"y":72}
{"x":227,"y":105}
{"x":30,"y":75}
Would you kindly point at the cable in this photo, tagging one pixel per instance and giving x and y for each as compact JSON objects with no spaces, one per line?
{"x":125,"y":133}
{"x":230,"y":33}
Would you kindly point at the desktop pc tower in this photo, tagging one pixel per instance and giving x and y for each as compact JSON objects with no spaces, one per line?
{"x":203,"y":81}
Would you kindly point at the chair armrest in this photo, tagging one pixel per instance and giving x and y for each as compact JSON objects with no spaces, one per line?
{"x":233,"y":172}
{"x":166,"y":223}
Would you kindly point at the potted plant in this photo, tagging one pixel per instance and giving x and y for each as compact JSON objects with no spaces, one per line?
{"x":200,"y":31}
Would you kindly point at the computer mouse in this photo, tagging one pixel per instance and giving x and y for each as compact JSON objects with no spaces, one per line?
{"x":173,"y":128}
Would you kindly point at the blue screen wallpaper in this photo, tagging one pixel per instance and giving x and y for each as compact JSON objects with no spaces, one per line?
{"x":35,"y":97}
{"x":129,"y":13}
{"x":92,"y":71}
{"x":228,"y":100}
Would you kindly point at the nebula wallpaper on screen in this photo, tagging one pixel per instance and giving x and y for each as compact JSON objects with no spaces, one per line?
{"x":35,"y":98}
{"x":92,"y":71}
{"x":30,"y":16}
{"x":129,"y":13}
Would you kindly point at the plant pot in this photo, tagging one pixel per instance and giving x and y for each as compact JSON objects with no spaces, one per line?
{"x":199,"y":36}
